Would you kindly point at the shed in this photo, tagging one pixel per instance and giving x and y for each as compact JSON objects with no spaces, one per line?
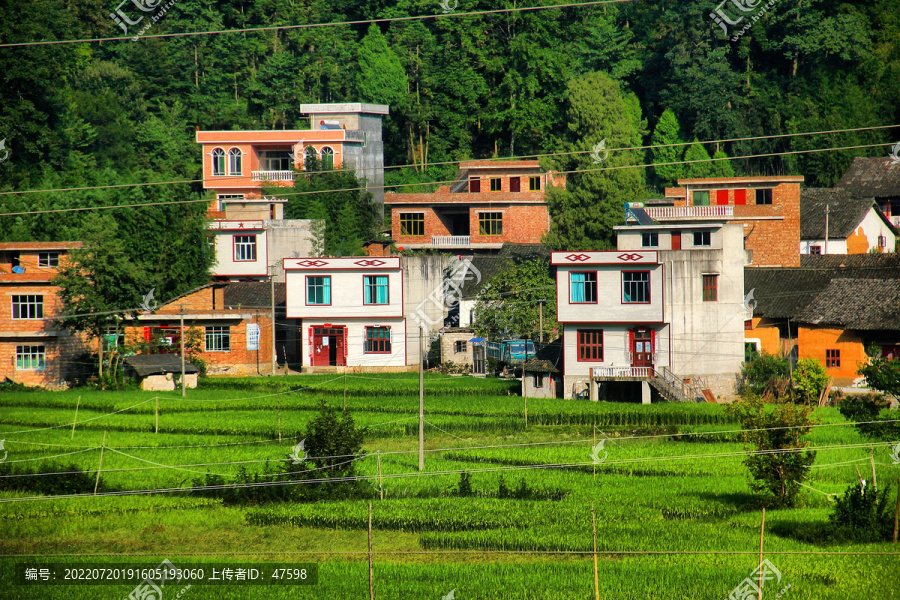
{"x":157,"y":372}
{"x":543,"y":376}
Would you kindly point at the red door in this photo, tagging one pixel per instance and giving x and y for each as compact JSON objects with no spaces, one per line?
{"x":676,"y":240}
{"x":641,"y":348}
{"x":329,"y":346}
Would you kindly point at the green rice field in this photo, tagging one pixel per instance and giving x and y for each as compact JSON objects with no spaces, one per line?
{"x":674,"y":513}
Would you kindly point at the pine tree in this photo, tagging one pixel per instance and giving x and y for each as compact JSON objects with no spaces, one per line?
{"x":721,"y":168}
{"x":347,"y":229}
{"x":697,"y":170}
{"x":317,"y":212}
{"x":381,"y":77}
{"x":667,"y":132}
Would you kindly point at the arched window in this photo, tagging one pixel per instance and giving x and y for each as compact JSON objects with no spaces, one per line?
{"x":218,"y":156}
{"x":310,"y":158}
{"x":327,"y":159}
{"x":234,"y":161}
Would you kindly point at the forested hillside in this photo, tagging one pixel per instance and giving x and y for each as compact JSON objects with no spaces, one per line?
{"x":476,"y":86}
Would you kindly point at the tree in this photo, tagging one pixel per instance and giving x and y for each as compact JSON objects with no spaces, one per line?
{"x":333,"y":443}
{"x":584,"y":214}
{"x":763,"y":368}
{"x":697,"y":163}
{"x":863,"y":515}
{"x":667,"y":133}
{"x":882,"y":374}
{"x":810,"y":378}
{"x":347,"y":228}
{"x":508,"y":304}
{"x":318,"y":214}
{"x":721,"y":168}
{"x":381,"y":77}
{"x":779,"y":464}
{"x":100,"y":285}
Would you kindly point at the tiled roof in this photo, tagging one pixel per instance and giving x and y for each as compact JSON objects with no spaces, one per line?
{"x":253,"y":294}
{"x":857,"y":304}
{"x":499,"y":164}
{"x":740,"y":180}
{"x":526,"y":251}
{"x":156,"y":364}
{"x":887,"y":263}
{"x":877,"y":177}
{"x":845,"y":212}
{"x":548,"y":359}
{"x":487,"y":267}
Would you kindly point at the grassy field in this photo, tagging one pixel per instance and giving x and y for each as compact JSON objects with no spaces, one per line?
{"x":675,"y":517}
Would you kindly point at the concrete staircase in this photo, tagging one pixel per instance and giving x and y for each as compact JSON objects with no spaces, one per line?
{"x":673,"y":388}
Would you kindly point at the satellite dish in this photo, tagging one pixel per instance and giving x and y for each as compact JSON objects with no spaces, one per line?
{"x":18,"y":269}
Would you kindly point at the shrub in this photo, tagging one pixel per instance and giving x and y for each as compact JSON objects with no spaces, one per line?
{"x":465,"y":485}
{"x":810,"y":379}
{"x":865,"y":411}
{"x":758,"y":372}
{"x":863,"y":515}
{"x":70,"y":479}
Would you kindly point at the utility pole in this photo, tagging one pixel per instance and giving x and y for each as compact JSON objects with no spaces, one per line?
{"x":274,"y":349}
{"x":541,"y":320}
{"x":524,"y":387}
{"x":421,"y":400}
{"x":826,"y":228}
{"x":183,"y":384}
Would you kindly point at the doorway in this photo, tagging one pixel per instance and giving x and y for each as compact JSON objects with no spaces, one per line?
{"x":329,"y":346}
{"x":642,"y":348}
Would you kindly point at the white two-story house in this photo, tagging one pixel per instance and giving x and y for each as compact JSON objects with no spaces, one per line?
{"x":352,"y":311}
{"x":666,"y":307}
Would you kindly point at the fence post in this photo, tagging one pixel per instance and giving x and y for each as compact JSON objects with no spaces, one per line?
{"x":100,"y":466}
{"x":596,"y":575}
{"x":371,"y":573}
{"x":762,"y":529}
{"x":380,"y":482}
{"x":76,"y":416}
{"x":157,"y":414}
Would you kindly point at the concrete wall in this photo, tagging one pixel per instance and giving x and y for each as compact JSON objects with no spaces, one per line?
{"x":347,"y":289}
{"x":543,"y":385}
{"x":288,"y":238}
{"x":226,"y":266}
{"x":448,"y":347}
{"x":609,"y":305}
{"x":423,"y":297}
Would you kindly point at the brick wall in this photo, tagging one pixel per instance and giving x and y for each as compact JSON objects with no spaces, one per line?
{"x":521,"y":224}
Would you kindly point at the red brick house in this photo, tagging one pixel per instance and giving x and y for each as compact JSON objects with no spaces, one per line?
{"x":33,"y":349}
{"x":489,"y":203}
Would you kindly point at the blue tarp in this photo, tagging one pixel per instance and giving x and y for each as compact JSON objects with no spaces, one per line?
{"x":476,"y":340}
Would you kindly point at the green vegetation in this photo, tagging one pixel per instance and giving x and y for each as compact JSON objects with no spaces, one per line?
{"x":499,"y":497}
{"x":508,"y":306}
{"x":809,"y":378}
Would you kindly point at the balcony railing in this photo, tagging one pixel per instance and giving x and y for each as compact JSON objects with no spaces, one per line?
{"x":450,"y":240}
{"x":641,"y":372}
{"x":272,"y":175}
{"x":689,"y":212}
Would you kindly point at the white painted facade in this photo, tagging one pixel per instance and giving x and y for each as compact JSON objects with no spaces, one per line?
{"x":879,"y":237}
{"x":359,"y":321}
{"x":233,"y":257}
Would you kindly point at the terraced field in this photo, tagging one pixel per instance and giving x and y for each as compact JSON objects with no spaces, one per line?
{"x":674,"y":514}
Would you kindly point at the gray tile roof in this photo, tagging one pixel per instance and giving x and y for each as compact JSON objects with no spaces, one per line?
{"x":253,"y":294}
{"x":157,"y":364}
{"x":845,"y":212}
{"x":877,"y":177}
{"x":488,"y":267}
{"x":548,"y":359}
{"x":857,"y":304}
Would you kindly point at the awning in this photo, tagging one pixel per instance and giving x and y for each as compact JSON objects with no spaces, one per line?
{"x":476,"y":340}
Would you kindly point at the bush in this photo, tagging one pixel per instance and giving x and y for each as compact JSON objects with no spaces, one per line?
{"x":865,"y":411}
{"x":70,"y":480}
{"x":863,"y":515}
{"x":465,"y":485}
{"x":810,"y":379}
{"x":763,"y":368}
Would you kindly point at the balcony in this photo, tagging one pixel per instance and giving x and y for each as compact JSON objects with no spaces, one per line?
{"x":621,"y":372}
{"x":272,"y":175}
{"x":663,"y":213}
{"x":450,"y":241}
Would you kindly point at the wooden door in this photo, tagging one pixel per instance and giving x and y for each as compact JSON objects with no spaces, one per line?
{"x":642,"y":348}
{"x":328,"y":346}
{"x":676,"y":239}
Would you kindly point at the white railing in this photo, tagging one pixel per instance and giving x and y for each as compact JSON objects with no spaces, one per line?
{"x":642,"y":372}
{"x":689,"y":212}
{"x":272,"y":175}
{"x":449,"y":240}
{"x":227,"y":225}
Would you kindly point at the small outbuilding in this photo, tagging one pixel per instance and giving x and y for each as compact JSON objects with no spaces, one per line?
{"x":543,"y":376}
{"x":158,"y":372}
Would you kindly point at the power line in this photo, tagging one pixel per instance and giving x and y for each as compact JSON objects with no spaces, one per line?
{"x":314,"y":25}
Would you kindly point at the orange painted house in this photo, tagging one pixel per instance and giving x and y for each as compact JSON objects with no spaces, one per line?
{"x":489,"y":203}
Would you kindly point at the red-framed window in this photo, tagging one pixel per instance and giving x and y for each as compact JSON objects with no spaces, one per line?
{"x":378,"y":340}
{"x":590,"y":345}
{"x":244,"y":248}
{"x":832,"y":358}
{"x":583,"y":287}
{"x":318,"y":290}
{"x":710,"y":288}
{"x":748,"y":324}
{"x":817,"y":250}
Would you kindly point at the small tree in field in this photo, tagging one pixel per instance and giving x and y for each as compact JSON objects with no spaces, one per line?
{"x":809,"y":378}
{"x":761,"y":369}
{"x":779,"y":465}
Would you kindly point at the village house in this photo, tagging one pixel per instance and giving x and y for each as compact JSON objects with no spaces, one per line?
{"x":489,"y":203}
{"x":766,"y":207}
{"x":34,"y":350}
{"x":831,"y":308}
{"x":543,"y":373}
{"x":877,"y":178}
{"x":664,"y":309}
{"x":832,"y":221}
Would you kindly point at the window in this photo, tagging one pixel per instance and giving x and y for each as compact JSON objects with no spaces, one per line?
{"x":515,"y":184}
{"x":650,"y":240}
{"x":244,"y":248}
{"x":590,"y":344}
{"x":635,"y":287}
{"x":327,"y":159}
{"x":815,"y":250}
{"x":376,"y":289}
{"x":764,"y":196}
{"x":495,"y":184}
{"x":538,"y":380}
{"x":218,"y":339}
{"x":234,"y":161}
{"x":722,"y":197}
{"x":218,"y":161}
{"x":27,"y":307}
{"x":534,"y":184}
{"x":882,"y":241}
{"x":832,"y":358}
{"x":710,"y":288}
{"x":459,"y":346}
{"x":412,"y":223}
{"x":223,"y":197}
{"x":318,"y":290}
{"x":583,"y":287}
{"x":275,"y":160}
{"x":490,"y":223}
{"x":702,"y":238}
{"x":48,"y":259}
{"x":378,"y":340}
{"x":474,"y":185}
{"x":740,"y":197}
{"x":701,"y":198}
{"x":30,"y":357}
{"x":748,"y":325}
